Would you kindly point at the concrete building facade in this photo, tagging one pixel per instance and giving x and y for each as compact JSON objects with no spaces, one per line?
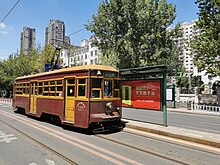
{"x":189,"y":30}
{"x":85,"y":54}
{"x":186,"y":57}
{"x":55,"y":33}
{"x":27,"y":40}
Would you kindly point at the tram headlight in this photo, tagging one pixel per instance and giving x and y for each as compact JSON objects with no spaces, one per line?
{"x":109,"y":105}
{"x":118,"y":109}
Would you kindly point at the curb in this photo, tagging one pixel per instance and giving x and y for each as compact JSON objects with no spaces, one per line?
{"x":175,"y":135}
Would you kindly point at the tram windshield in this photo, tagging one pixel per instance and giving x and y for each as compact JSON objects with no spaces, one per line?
{"x":110,"y":88}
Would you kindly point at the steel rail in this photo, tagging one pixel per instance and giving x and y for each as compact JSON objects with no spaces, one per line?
{"x":142,"y":150}
{"x":42,"y":145}
{"x":173,"y":142}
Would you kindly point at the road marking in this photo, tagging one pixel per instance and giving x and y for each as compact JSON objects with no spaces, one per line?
{"x":6,"y":138}
{"x":50,"y":162}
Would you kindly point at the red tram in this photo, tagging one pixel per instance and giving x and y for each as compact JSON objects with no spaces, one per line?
{"x":77,"y":96}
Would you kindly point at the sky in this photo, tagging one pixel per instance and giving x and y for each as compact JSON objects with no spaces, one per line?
{"x":75,"y":14}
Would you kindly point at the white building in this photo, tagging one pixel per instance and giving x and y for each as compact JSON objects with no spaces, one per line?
{"x":27,"y":40}
{"x":85,"y":54}
{"x":189,"y":31}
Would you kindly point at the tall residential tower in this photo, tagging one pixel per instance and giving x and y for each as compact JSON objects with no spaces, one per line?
{"x":28,"y":40}
{"x":55,"y":33}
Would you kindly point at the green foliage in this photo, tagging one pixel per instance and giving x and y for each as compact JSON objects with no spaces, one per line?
{"x":207,"y":44}
{"x":20,"y":64}
{"x":133,"y":33}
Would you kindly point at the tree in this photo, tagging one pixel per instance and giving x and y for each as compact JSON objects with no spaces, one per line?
{"x":20,"y":65}
{"x":133,"y":33}
{"x":206,"y":45}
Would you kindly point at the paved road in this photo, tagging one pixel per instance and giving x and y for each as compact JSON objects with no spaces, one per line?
{"x":199,"y":122}
{"x":115,"y":148}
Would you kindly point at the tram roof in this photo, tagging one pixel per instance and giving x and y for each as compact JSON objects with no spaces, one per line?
{"x":70,"y":69}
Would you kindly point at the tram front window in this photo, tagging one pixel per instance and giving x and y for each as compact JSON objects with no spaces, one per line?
{"x":108,"y":88}
{"x":96,"y":87}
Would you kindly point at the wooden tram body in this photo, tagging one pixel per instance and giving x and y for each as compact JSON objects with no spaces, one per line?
{"x":78,"y":95}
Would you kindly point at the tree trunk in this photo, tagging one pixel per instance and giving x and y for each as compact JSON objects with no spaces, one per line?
{"x":218,"y":94}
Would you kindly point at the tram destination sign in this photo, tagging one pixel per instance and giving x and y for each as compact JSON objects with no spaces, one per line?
{"x":110,"y":75}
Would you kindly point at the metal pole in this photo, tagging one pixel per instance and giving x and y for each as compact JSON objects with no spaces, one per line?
{"x":164,"y":102}
{"x":174,"y":96}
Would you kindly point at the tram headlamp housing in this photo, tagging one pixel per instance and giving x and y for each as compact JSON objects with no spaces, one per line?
{"x":109,"y":105}
{"x":98,"y":73}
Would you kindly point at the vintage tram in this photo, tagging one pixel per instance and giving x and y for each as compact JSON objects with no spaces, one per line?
{"x":78,"y":96}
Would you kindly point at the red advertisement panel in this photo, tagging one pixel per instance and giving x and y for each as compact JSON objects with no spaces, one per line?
{"x":141,"y":94}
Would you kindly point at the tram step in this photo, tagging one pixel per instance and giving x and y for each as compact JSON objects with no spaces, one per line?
{"x":67,"y":122}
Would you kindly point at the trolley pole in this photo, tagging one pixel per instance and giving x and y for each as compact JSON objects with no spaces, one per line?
{"x":164,"y":102}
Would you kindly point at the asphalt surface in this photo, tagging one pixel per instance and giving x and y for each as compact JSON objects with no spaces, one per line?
{"x":194,"y":127}
{"x":123,"y":146}
{"x":178,"y":117}
{"x":199,"y":127}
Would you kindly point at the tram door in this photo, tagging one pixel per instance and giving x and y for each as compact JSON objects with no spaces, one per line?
{"x":126,"y":95}
{"x":69,"y":99}
{"x":33,"y":97}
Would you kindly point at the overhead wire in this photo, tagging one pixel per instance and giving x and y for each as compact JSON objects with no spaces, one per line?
{"x":10,"y":11}
{"x":77,"y":31}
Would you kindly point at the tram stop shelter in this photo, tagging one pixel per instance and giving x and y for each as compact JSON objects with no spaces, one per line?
{"x":145,"y":87}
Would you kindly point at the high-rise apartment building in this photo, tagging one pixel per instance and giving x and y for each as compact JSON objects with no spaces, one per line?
{"x":67,"y":40}
{"x":28,"y":40}
{"x":189,"y":31}
{"x":55,"y":33}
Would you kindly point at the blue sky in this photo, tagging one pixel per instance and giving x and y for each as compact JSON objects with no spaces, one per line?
{"x":75,"y":13}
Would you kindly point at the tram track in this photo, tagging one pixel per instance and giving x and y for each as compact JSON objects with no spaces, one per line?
{"x":141,"y":150}
{"x":42,"y":145}
{"x":156,"y":154}
{"x":91,"y":148}
{"x":175,"y":141}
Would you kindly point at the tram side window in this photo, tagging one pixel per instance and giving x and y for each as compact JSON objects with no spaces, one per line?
{"x":19,"y":89}
{"x":116,"y":88}
{"x":52,"y":88}
{"x":46,"y":88}
{"x":81,"y":87}
{"x":96,"y":87}
{"x":108,"y":88}
{"x":40,"y":88}
{"x":59,"y":87}
{"x":26,"y":89}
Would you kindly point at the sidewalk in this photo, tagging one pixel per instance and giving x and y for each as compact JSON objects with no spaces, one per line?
{"x":201,"y":137}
